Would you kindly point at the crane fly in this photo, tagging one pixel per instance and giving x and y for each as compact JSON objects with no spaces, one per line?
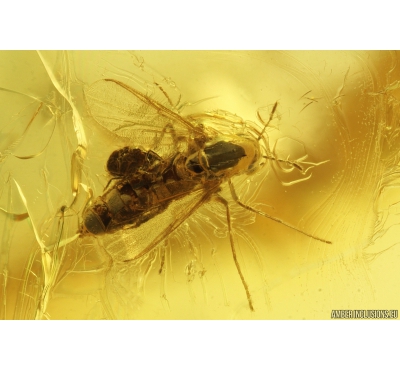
{"x":174,"y":157}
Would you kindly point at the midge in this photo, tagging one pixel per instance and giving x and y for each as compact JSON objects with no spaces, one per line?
{"x":171,"y":156}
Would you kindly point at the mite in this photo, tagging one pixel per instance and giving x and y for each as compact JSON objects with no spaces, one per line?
{"x":174,"y":156}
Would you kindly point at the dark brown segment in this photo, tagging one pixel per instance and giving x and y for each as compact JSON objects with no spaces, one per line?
{"x":218,"y":157}
{"x":223,"y":155}
{"x":126,"y":161}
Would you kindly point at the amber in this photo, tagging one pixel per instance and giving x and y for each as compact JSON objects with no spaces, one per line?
{"x":329,"y":122}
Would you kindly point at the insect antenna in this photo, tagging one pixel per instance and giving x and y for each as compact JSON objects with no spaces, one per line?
{"x":192,"y":104}
{"x":167,"y":96}
{"x":294,"y":164}
{"x":271,"y":115}
{"x":261,"y":213}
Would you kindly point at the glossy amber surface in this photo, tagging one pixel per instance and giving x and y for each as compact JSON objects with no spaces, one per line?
{"x":336,"y":113}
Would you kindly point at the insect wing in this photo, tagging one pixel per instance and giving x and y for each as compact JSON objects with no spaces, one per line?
{"x":133,"y":115}
{"x":130,"y":244}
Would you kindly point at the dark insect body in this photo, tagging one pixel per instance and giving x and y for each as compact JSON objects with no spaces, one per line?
{"x":199,"y":159}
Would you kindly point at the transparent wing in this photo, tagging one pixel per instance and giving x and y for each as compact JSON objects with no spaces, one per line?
{"x":130,"y":114}
{"x":130,"y":244}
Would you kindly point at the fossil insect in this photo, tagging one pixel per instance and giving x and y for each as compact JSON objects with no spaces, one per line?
{"x":172,"y":156}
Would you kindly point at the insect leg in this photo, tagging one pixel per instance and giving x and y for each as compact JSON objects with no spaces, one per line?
{"x":109,"y":182}
{"x":174,"y":136}
{"x":162,"y":273}
{"x":162,"y":257}
{"x":228,"y":218}
{"x":175,"y":224}
{"x":236,"y":199}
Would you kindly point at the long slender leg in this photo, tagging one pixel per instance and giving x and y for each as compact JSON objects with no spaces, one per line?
{"x":172,"y":132}
{"x":109,"y":182}
{"x":236,"y":199}
{"x":228,"y":218}
{"x":162,"y":259}
{"x":162,"y":273}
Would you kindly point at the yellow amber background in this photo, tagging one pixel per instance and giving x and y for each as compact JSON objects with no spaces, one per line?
{"x":343,"y":107}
